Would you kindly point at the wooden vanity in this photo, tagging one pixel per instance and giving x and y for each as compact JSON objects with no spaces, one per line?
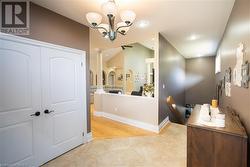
{"x":216,"y":147}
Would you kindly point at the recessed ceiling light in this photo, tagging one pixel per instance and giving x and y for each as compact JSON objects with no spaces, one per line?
{"x":193,"y":37}
{"x":143,"y":23}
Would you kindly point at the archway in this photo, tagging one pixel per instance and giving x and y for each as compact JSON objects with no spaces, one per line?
{"x":103,"y":78}
{"x":111,"y":78}
{"x":129,"y":81}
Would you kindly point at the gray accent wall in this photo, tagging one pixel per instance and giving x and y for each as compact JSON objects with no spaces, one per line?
{"x":171,"y":76}
{"x":237,"y":30}
{"x":200,"y":80}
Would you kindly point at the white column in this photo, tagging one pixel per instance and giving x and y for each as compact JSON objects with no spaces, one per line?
{"x":148,"y":73}
{"x":149,"y":61}
{"x":99,"y":73}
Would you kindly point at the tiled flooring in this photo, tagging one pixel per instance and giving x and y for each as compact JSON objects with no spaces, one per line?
{"x":168,"y":149}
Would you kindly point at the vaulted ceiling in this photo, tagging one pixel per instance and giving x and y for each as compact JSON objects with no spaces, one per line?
{"x":194,"y":27}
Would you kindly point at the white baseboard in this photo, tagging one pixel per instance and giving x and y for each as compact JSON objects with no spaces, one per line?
{"x":98,"y":113}
{"x":163,"y":123}
{"x":132,"y":122}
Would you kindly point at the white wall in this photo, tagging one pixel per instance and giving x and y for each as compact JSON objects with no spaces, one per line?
{"x":134,"y":110}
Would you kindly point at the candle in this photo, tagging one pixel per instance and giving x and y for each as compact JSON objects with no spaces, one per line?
{"x":214,"y":103}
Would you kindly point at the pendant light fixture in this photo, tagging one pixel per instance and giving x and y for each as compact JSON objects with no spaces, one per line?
{"x":109,"y":30}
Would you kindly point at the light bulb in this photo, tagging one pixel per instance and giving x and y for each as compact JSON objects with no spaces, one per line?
{"x":128,"y":16}
{"x":109,"y":8}
{"x":94,"y":18}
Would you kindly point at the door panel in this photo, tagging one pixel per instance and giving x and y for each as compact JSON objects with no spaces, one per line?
{"x":62,"y":81}
{"x":18,"y":136}
{"x":19,"y":98}
{"x":16,"y":67}
{"x":61,"y":73}
{"x":69,"y":129}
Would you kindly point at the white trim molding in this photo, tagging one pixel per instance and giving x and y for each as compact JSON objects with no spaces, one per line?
{"x":33,"y":42}
{"x":98,"y":113}
{"x":132,"y":122}
{"x":163,"y":123}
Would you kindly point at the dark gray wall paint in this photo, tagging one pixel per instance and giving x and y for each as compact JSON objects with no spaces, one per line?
{"x":237,"y":30}
{"x":172,"y":75}
{"x":200,"y":80}
{"x":47,"y":26}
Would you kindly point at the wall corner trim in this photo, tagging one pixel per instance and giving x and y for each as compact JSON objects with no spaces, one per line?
{"x":88,"y":137}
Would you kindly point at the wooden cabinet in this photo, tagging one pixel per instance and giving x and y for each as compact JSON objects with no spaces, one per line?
{"x":216,"y":147}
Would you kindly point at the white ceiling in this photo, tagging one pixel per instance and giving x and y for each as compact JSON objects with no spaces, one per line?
{"x":150,"y":43}
{"x":177,"y":20}
{"x":111,"y":52}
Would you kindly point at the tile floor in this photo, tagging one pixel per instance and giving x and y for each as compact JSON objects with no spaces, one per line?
{"x":168,"y":149}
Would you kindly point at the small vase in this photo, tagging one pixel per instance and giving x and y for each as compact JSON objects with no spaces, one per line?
{"x":148,"y":94}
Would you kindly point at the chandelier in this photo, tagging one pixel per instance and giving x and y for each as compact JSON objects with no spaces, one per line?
{"x":109,"y":30}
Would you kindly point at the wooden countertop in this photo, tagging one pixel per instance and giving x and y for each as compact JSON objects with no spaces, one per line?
{"x":233,"y":125}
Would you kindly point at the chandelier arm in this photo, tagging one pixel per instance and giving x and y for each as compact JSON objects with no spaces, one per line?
{"x":121,"y":33}
{"x":117,"y":30}
{"x":99,"y":28}
{"x":111,"y":21}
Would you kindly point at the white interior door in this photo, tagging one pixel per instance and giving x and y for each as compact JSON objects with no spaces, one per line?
{"x":34,"y":77}
{"x":20,"y":96}
{"x":63,"y":96}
